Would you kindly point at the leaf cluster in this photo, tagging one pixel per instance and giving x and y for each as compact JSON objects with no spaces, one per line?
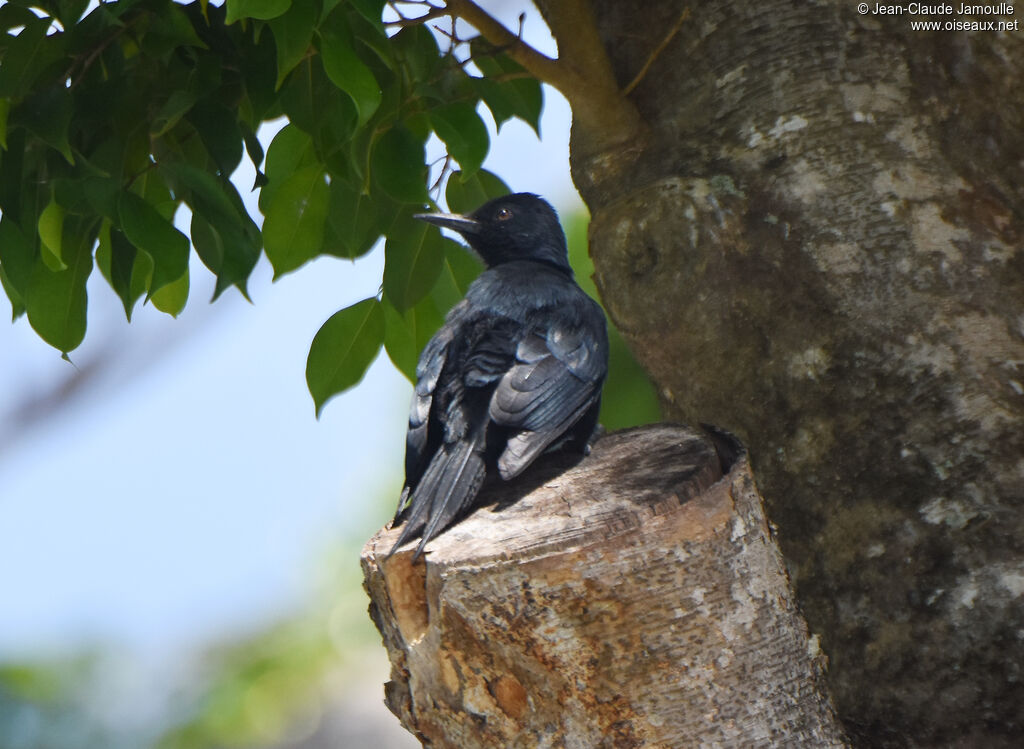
{"x":113,"y":121}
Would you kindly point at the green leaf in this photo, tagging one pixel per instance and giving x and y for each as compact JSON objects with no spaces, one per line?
{"x":217,"y":126}
{"x":345,"y":69}
{"x":13,"y":171}
{"x":293,"y":231}
{"x":464,"y":194}
{"x":47,"y":114}
{"x":170,"y":22}
{"x":372,"y":34}
{"x":464,"y":134}
{"x":293,"y":35}
{"x":290,"y":150}
{"x":171,"y":298}
{"x":261,"y":9}
{"x":17,"y":257}
{"x":226,"y":252}
{"x":27,"y":56}
{"x":417,"y":51}
{"x":225,"y":237}
{"x":355,"y":220}
{"x":5,"y":109}
{"x":12,"y":16}
{"x":328,"y":8}
{"x":88,"y":195}
{"x":413,"y":255}
{"x":343,"y":350}
{"x":255,"y":150}
{"x":460,"y":268}
{"x":170,"y":114}
{"x":316,"y":106}
{"x":51,"y":230}
{"x":69,"y":11}
{"x":57,"y":301}
{"x":13,"y":295}
{"x":126,"y":269}
{"x":397,"y":164}
{"x":212,"y":196}
{"x":406,"y":333}
{"x":151,"y":187}
{"x":145,"y":228}
{"x":371,"y":10}
{"x":259,"y":75}
{"x":505,"y":87}
{"x":400,"y":339}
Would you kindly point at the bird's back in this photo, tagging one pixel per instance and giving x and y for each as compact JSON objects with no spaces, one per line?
{"x":516,"y":368}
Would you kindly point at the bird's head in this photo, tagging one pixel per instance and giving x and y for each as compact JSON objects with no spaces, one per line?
{"x":521,"y":226}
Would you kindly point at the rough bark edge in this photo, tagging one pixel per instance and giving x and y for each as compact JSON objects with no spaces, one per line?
{"x":463,"y":673}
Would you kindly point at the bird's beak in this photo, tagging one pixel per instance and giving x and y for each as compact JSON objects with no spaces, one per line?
{"x":456,"y":222}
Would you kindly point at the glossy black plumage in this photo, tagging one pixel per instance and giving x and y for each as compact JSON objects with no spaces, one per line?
{"x":516,"y":368}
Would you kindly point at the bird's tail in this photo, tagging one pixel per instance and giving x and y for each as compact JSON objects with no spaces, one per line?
{"x":447,"y":488}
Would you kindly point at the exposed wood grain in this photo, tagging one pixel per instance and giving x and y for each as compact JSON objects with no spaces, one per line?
{"x":634,"y":599}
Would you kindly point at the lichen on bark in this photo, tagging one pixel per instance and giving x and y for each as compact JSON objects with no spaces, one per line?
{"x":818,"y":245}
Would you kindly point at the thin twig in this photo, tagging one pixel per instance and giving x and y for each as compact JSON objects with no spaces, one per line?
{"x":84,"y":63}
{"x":541,"y":66}
{"x":450,"y":35}
{"x":657,"y":51}
{"x":445,"y":169}
{"x":582,"y":71}
{"x":404,"y":21}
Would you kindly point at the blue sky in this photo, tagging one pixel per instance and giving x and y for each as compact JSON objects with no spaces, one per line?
{"x":187,"y":491}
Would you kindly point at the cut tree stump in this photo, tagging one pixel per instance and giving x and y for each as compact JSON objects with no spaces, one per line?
{"x":636,"y":598}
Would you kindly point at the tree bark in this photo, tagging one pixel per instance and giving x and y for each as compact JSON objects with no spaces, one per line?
{"x":818,"y":245}
{"x":635,"y":599}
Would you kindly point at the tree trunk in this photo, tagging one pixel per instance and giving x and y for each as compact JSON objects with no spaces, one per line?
{"x":817,"y":244}
{"x":636,"y":599}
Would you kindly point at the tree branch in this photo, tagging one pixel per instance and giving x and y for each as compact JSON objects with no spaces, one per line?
{"x":582,"y":71}
{"x":539,"y":65}
{"x":434,"y":12}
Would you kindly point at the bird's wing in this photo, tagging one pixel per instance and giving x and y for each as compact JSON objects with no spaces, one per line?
{"x":428,"y":372}
{"x":536,"y":384}
{"x":556,"y":378}
{"x":455,"y":370}
{"x":448,"y":486}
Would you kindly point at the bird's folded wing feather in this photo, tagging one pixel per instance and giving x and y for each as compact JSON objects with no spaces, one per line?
{"x":427,"y":373}
{"x":448,"y":454}
{"x":556,"y":377}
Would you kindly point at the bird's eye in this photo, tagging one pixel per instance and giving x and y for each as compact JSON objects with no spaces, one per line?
{"x":504,"y":214}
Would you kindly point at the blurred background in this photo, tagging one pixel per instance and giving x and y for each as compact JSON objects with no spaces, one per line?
{"x":219,"y":602}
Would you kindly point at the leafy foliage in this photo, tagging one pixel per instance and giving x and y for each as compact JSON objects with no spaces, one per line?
{"x":274,"y":688}
{"x":343,"y":349}
{"x":46,"y":704}
{"x":114,"y":120}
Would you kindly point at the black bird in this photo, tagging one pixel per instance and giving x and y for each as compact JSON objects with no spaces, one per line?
{"x":515,"y":370}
